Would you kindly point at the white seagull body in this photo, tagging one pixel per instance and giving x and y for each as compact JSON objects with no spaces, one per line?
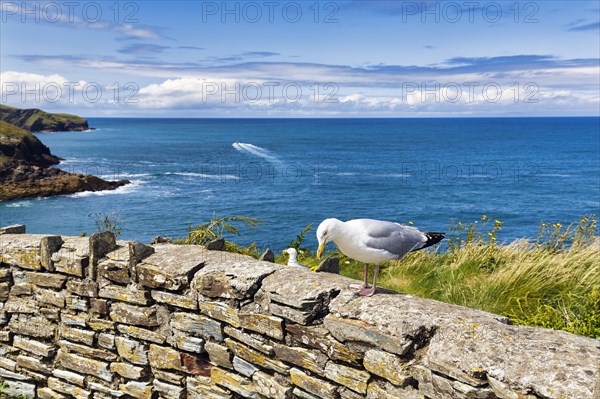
{"x":373,"y":241}
{"x":293,"y":259}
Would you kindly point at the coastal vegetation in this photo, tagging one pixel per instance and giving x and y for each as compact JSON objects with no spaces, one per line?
{"x":36,"y":120}
{"x":552,"y":281}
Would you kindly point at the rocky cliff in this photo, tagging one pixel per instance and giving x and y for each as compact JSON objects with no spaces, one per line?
{"x":25,"y":171}
{"x":35,"y":120}
{"x":96,"y":317}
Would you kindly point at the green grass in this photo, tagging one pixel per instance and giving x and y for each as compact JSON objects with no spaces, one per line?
{"x":36,"y":119}
{"x":9,"y":134}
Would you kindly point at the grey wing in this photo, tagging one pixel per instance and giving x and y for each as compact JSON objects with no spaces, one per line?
{"x":394,"y":238}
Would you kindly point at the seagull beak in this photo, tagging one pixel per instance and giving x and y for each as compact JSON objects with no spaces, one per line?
{"x":320,"y":250}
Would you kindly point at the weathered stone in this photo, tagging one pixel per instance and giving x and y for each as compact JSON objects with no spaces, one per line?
{"x":126,"y":294}
{"x":86,"y":350}
{"x":32,"y":363}
{"x":47,"y":393}
{"x":256,"y":357}
{"x":168,"y":391}
{"x":388,"y":366}
{"x":142,"y":333}
{"x":303,"y":394}
{"x":203,"y":388}
{"x":314,"y":385}
{"x":357,"y":380}
{"x":220,"y":311}
{"x":84,"y":365}
{"x":73,"y":257}
{"x":21,"y":305}
{"x":329,"y":265}
{"x":197,"y":325}
{"x":69,"y":376}
{"x":13,"y":229}
{"x":166,"y":358}
{"x":100,"y":324}
{"x":309,"y":359}
{"x":128,"y":371}
{"x":107,"y":391}
{"x":243,"y":367}
{"x":267,"y":256}
{"x":380,"y":390}
{"x":301,"y":295}
{"x":218,"y":354}
{"x":8,"y":364}
{"x":181,"y":301}
{"x":99,"y":306}
{"x":48,"y":246}
{"x":190,"y":344}
{"x":132,"y":351}
{"x":77,"y":335}
{"x":19,"y":389}
{"x":173,"y":378}
{"x":117,"y":272}
{"x":231,"y":275}
{"x":60,"y":386}
{"x":130,"y":314}
{"x":47,"y":280}
{"x":5,"y":274}
{"x":7,"y":374}
{"x":23,"y":250}
{"x":77,"y":303}
{"x":34,"y":326}
{"x":4,"y":291}
{"x":272,"y":387}
{"x":257,"y":342}
{"x":106,"y":341}
{"x":319,"y":337}
{"x":234,"y":382}
{"x":100,"y":244}
{"x":356,"y":330}
{"x":19,"y":289}
{"x":5,"y":336}
{"x":35,"y":347}
{"x":137,"y":390}
{"x":77,"y":319}
{"x":264,"y":324}
{"x":86,"y":288}
{"x":171,"y":266}
{"x":216,"y":245}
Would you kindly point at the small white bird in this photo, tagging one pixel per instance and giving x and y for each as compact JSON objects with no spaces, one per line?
{"x":373,"y":241}
{"x":293,"y":260}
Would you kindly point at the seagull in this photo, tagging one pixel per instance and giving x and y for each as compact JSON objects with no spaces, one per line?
{"x":293,"y":261}
{"x":373,"y":241}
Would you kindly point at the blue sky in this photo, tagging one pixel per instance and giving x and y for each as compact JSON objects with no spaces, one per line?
{"x":302,"y":59}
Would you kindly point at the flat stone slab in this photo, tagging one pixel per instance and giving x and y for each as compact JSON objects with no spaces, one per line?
{"x":469,"y":344}
{"x":232,"y":276}
{"x":171,"y":266}
{"x":29,"y":251}
{"x":301,"y":299}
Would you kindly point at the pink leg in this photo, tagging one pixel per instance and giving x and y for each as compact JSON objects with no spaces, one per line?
{"x":365,"y":284}
{"x":371,"y":291}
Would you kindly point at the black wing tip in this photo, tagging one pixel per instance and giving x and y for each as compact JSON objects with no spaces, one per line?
{"x":433,"y":238}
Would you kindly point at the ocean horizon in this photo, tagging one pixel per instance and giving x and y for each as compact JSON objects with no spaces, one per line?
{"x":291,"y":172}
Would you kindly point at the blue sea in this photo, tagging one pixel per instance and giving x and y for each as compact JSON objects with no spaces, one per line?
{"x":294,"y":172}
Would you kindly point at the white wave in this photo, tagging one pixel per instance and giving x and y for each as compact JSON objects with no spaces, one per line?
{"x":123,"y":176}
{"x":256,"y":150}
{"x":20,"y":204}
{"x":372,"y":174}
{"x":126,"y":189}
{"x":553,"y":175}
{"x":204,"y":175}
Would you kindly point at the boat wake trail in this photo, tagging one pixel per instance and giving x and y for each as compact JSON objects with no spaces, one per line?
{"x":256,"y":150}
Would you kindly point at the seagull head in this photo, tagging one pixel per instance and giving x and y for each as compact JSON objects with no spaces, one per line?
{"x":327,"y":231}
{"x":291,"y":252}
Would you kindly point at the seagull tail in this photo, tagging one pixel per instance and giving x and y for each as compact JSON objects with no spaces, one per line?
{"x":432,"y":239}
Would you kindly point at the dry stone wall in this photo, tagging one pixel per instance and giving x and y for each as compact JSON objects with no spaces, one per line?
{"x":92,"y":317}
